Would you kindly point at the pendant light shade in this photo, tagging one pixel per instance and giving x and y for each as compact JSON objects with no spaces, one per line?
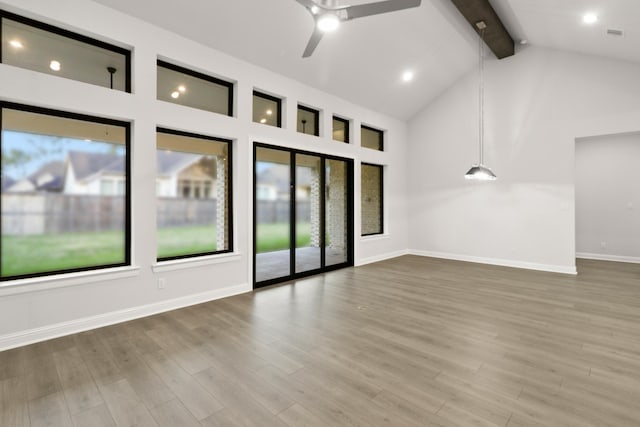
{"x":479,"y":171}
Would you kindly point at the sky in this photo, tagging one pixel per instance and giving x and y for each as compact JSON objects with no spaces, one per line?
{"x":45,"y":148}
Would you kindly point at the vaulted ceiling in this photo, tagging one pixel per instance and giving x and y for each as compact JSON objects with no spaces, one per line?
{"x":364,"y":60}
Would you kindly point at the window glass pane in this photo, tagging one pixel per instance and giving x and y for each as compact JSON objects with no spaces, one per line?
{"x":266,"y":109}
{"x":371,"y":199}
{"x":185,"y":87}
{"x":193,"y":192}
{"x":308,"y":120}
{"x":60,"y":210}
{"x":340,"y":129}
{"x":371,"y":138}
{"x":336,"y":212}
{"x":39,"y":47}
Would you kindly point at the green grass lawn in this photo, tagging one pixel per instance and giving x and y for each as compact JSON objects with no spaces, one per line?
{"x":275,"y":236}
{"x":54,"y":252}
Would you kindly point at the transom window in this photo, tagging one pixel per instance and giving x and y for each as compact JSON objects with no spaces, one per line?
{"x":193,"y":89}
{"x":308,"y":120}
{"x":371,"y":138}
{"x":267,"y":109}
{"x":47,"y":49}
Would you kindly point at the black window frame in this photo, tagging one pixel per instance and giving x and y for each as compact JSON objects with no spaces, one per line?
{"x":275,"y":99}
{"x":74,"y":36}
{"x":127,"y":196}
{"x":316,"y":119}
{"x":346,"y":123}
{"x":177,"y":68}
{"x":381,"y":190}
{"x":378,"y":131}
{"x":229,"y":142}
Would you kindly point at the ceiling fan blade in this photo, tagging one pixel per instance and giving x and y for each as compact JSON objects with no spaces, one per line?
{"x":307,"y":3}
{"x":313,"y":43}
{"x":368,"y":9}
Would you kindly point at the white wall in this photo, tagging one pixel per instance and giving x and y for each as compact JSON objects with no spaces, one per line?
{"x":537,"y":103}
{"x":36,"y":309}
{"x":608,"y":197}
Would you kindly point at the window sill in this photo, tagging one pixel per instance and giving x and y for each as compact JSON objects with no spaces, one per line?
{"x":374,"y":237}
{"x":180,"y":264}
{"x":56,"y":281}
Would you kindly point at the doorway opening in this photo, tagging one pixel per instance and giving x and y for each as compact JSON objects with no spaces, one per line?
{"x":302,"y":214}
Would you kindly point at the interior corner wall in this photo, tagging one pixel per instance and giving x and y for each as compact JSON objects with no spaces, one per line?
{"x":608,"y":198}
{"x":536,"y":104}
{"x":43,"y":308}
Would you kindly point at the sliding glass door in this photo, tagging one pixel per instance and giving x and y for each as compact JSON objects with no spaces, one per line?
{"x":302,"y":213}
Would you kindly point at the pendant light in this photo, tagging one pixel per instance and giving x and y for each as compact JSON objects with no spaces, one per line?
{"x":480,"y":172}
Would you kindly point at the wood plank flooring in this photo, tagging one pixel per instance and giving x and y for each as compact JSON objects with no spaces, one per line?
{"x":407,"y":342}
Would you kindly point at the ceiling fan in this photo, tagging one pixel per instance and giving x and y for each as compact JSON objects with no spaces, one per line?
{"x":328,"y":15}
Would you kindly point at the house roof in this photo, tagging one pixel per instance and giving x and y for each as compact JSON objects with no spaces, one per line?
{"x":6,"y":181}
{"x":53,"y":171}
{"x":86,"y":164}
{"x":170,"y":162}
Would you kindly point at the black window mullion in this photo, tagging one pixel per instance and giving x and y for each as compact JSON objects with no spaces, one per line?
{"x":292,"y":213}
{"x":322,"y":213}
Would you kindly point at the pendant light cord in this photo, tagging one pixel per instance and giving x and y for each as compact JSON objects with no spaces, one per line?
{"x":481,"y":96}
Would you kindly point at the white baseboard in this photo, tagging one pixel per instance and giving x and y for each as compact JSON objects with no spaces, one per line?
{"x":501,"y":262}
{"x":66,"y":328}
{"x":378,"y":258}
{"x":607,"y":257}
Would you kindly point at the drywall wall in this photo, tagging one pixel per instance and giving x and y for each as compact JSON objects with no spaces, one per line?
{"x":608,"y":197}
{"x":537,"y":103}
{"x":36,"y":309}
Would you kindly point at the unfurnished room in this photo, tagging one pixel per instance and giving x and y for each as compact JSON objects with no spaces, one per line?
{"x":320,"y":213}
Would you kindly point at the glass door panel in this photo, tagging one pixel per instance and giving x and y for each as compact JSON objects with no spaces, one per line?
{"x":308,"y":218}
{"x":272,"y":214}
{"x":336,"y":241}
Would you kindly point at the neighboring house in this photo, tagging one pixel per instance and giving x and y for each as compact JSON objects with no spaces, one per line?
{"x":5,"y":182}
{"x":183,"y":175}
{"x":49,"y":177}
{"x":273,"y":183}
{"x":94,"y":173}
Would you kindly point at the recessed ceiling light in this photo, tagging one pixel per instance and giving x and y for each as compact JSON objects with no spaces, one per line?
{"x":263,"y":120}
{"x":524,"y":42}
{"x":315,"y":9}
{"x":55,"y":65}
{"x":175,"y":94}
{"x":269,"y":112}
{"x":328,"y":22}
{"x":182,"y":89}
{"x":590,"y":18}
{"x":16,"y":43}
{"x":407,"y":76}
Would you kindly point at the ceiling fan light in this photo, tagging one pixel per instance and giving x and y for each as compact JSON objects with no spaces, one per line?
{"x":328,"y":22}
{"x":480,"y":173}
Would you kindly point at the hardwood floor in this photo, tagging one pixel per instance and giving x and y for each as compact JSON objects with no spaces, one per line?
{"x":406,"y":342}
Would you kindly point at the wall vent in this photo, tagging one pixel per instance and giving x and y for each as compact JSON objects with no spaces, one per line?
{"x":614,"y":32}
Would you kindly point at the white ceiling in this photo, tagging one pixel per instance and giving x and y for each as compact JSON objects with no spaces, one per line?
{"x":363,"y":61}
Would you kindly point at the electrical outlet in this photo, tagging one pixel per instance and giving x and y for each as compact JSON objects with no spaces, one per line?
{"x":162,"y":283}
{"x":603,"y":245}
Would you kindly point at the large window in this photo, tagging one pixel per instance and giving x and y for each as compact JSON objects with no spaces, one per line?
{"x":65,"y":192}
{"x":340,"y":129}
{"x":371,"y":202}
{"x":308,"y":120}
{"x":52,"y":50}
{"x":371,"y":138}
{"x":186,"y":87}
{"x":193,"y":186}
{"x":267,"y":109}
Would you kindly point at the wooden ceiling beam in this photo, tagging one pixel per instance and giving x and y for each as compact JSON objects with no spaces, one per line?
{"x":496,"y":35}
